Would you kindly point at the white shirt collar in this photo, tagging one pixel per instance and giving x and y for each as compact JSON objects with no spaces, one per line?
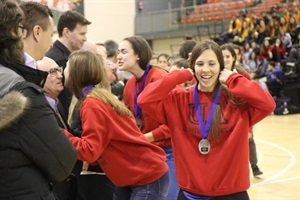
{"x":29,"y":61}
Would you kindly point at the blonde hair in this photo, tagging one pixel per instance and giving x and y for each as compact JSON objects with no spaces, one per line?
{"x":72,"y":107}
{"x":86,"y":68}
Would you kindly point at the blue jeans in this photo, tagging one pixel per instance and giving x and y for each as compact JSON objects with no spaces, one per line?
{"x":156,"y":190}
{"x":235,"y":196}
{"x":173,"y":189}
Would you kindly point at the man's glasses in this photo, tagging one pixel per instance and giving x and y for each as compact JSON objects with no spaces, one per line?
{"x":24,"y":30}
{"x":53,"y":71}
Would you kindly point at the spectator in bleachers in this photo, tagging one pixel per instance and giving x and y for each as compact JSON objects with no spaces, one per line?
{"x":252,"y":62}
{"x":235,"y":26}
{"x":255,"y":47}
{"x":265,"y":17}
{"x":243,"y":34}
{"x":239,"y":65}
{"x":265,"y":50}
{"x":275,"y":79}
{"x":246,"y":52}
{"x":283,"y":24}
{"x":286,"y":14}
{"x":296,"y":14}
{"x":273,"y":29}
{"x":262,"y":31}
{"x":278,"y":51}
{"x":297,"y":40}
{"x":286,"y":39}
{"x":292,"y":27}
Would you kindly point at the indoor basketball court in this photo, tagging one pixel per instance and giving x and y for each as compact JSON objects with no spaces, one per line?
{"x":278,"y":147}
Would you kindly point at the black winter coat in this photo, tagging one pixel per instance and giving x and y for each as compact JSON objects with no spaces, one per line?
{"x":34,"y":151}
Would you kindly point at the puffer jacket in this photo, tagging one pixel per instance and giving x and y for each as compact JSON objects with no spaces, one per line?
{"x":33,"y":149}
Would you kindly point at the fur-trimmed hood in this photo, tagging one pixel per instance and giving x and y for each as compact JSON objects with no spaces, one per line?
{"x":12,"y":106}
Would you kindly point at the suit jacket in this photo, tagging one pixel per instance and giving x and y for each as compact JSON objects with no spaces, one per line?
{"x":67,"y":189}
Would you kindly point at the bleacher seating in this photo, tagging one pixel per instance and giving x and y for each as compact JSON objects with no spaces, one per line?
{"x":220,"y":9}
{"x":216,"y":9}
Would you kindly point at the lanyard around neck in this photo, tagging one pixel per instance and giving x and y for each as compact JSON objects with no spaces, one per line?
{"x":137,"y":109}
{"x":205,"y":128}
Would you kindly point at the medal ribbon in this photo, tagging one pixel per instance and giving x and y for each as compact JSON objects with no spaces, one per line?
{"x":137,"y":109}
{"x":205,"y":128}
{"x":87,"y":89}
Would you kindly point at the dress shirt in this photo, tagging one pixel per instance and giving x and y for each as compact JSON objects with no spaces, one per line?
{"x":29,"y":61}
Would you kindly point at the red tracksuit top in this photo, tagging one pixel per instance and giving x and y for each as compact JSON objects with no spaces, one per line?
{"x":225,"y":169}
{"x":161,"y":133}
{"x":117,"y":145}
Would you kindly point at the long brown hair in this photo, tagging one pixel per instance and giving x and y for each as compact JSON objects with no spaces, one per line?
{"x":142,"y":49}
{"x":214,"y":134}
{"x":86,"y":68}
{"x":11,"y":44}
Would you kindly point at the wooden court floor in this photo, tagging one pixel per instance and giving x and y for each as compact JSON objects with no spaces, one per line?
{"x":277,"y":141}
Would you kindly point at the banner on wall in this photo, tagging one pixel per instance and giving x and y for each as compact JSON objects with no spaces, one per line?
{"x":60,"y":5}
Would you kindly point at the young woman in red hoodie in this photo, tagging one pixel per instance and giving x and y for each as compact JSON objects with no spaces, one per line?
{"x":209,"y":125}
{"x":134,"y":57}
{"x":110,"y":136}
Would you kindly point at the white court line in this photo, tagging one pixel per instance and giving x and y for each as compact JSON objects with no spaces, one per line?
{"x":292,"y":162}
{"x":284,"y":180}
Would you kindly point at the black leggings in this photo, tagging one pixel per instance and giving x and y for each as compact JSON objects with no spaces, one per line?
{"x":235,"y":196}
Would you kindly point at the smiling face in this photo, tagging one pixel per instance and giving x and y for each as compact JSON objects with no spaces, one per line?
{"x":127,"y":59}
{"x":207,"y":69}
{"x":228,"y":59}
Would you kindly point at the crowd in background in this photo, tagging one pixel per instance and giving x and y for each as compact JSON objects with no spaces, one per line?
{"x":95,"y":118}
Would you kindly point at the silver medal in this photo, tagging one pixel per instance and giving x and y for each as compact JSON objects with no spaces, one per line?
{"x":204,"y":146}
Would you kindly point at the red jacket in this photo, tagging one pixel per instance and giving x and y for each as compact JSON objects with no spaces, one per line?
{"x":225,"y":169}
{"x":161,"y":133}
{"x":117,"y":145}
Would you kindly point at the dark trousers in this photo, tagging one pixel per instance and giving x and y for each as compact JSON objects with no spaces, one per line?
{"x":67,"y":189}
{"x":95,"y":187}
{"x":235,"y":196}
{"x":252,"y":151}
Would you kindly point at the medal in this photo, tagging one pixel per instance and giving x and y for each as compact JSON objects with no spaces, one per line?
{"x":139,"y":122}
{"x":204,"y":146}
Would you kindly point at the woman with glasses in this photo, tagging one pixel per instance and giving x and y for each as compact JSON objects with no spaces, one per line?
{"x":33,"y":149}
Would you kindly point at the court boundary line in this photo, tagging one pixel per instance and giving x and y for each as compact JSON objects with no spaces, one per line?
{"x":291,"y":163}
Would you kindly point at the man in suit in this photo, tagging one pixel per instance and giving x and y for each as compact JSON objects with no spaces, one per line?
{"x":66,"y":190}
{"x":72,"y":29}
